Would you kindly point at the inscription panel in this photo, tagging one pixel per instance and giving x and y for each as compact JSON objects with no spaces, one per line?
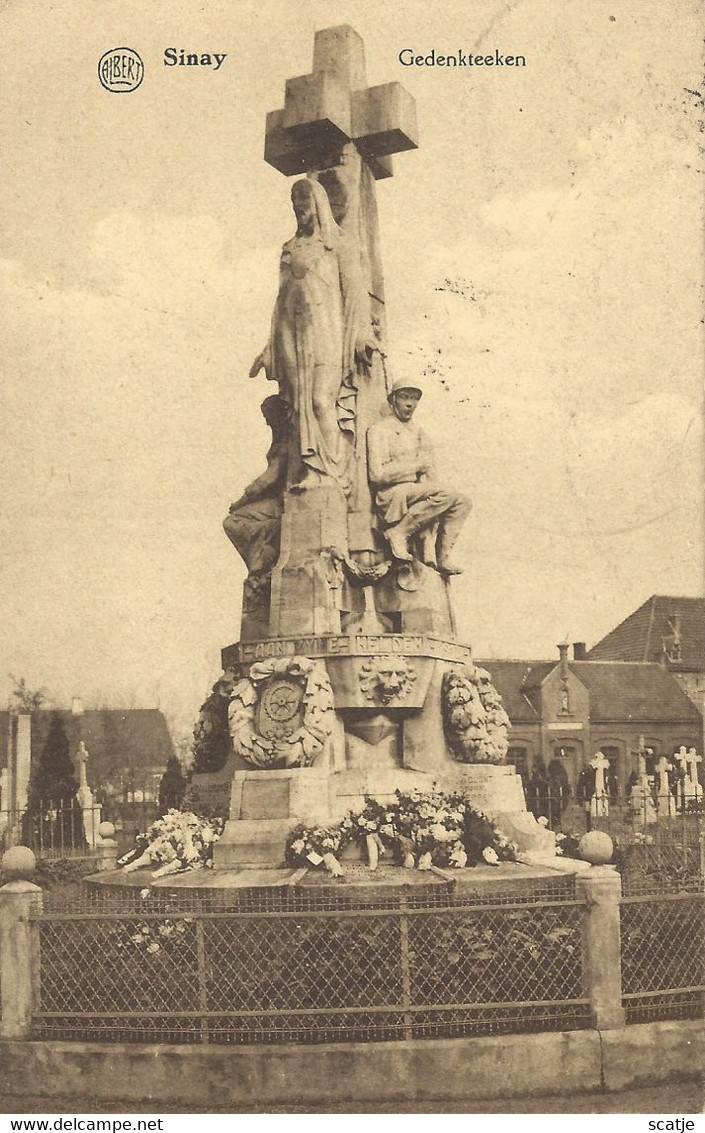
{"x":345,"y":645}
{"x":208,"y":793}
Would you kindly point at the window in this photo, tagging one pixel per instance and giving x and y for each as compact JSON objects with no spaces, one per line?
{"x":519,"y":757}
{"x":564,"y":751}
{"x":612,"y":753}
{"x":564,"y":707}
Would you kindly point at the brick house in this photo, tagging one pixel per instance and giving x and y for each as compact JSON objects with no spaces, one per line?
{"x":565,"y":710}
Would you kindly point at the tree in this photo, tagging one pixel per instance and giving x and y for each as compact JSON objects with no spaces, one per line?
{"x":172,"y":786}
{"x":53,"y":817}
{"x":25,"y":699}
{"x":211,"y":738}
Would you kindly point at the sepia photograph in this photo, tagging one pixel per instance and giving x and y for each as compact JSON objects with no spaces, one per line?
{"x":352,"y":675}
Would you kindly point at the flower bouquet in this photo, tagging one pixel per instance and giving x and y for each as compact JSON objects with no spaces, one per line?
{"x":375,"y":823}
{"x":152,"y":937}
{"x":317,"y":846}
{"x":429,"y":828}
{"x":422,"y":829}
{"x":176,"y":842}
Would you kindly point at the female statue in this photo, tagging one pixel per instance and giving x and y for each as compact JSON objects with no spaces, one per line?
{"x":320,"y":326}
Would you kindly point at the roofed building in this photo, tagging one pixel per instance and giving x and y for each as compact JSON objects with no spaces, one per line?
{"x":667,"y":630}
{"x":128,"y":749}
{"x":563,"y":711}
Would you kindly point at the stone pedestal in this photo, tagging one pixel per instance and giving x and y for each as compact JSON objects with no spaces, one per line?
{"x":265,"y":806}
{"x":388,"y":735}
{"x":417,"y":599}
{"x":91,"y":815}
{"x":307,"y":581}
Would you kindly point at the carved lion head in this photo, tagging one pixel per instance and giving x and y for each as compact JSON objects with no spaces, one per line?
{"x":386,"y":678}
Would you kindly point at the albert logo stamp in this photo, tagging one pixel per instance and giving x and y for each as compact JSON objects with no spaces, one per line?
{"x":120,"y":70}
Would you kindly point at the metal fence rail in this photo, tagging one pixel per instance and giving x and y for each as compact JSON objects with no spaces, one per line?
{"x":663,"y":956}
{"x":311,"y":976}
{"x":66,"y":829}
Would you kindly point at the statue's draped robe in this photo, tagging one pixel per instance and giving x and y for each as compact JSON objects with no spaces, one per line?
{"x":320,"y":312}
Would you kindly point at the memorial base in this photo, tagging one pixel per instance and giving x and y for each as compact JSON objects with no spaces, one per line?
{"x":265,"y":806}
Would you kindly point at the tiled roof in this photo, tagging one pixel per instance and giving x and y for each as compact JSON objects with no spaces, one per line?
{"x":119,"y":741}
{"x":509,"y":679}
{"x":640,"y":636}
{"x":618,"y":691}
{"x":634,"y":691}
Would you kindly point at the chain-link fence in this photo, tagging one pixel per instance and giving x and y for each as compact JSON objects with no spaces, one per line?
{"x":311,"y":960}
{"x":663,"y":956}
{"x":659,"y":843}
{"x":311,"y":975}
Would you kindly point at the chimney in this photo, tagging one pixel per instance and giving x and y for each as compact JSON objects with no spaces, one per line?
{"x":579,"y":651}
{"x":76,"y":706}
{"x":563,"y":655}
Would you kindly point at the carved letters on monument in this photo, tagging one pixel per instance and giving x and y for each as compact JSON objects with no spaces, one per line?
{"x":347,"y":644}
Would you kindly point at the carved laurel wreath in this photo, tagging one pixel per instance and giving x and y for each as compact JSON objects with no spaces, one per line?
{"x":302,"y":746}
{"x":474,"y":720}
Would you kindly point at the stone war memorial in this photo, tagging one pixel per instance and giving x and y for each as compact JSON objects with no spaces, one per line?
{"x":348,"y":679}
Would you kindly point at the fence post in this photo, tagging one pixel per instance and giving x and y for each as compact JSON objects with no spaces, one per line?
{"x":19,"y":943}
{"x":601,"y":888}
{"x":106,"y":847}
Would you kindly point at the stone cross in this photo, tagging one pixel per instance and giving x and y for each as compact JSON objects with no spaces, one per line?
{"x":600,"y":764}
{"x":663,"y":766}
{"x":343,"y":133}
{"x":336,"y":130}
{"x":666,"y":801}
{"x":641,"y":753}
{"x":91,"y":813}
{"x":82,"y":760}
{"x":682,"y":758}
{"x":333,"y":105}
{"x":692,"y":761}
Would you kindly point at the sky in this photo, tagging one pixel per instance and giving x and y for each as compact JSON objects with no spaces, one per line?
{"x":543,"y":266}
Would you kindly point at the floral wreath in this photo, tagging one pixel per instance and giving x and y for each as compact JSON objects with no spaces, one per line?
{"x":474,"y":720}
{"x":420,"y":829}
{"x":301,"y":748}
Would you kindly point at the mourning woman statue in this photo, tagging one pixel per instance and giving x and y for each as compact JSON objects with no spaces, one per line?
{"x":320,"y":326}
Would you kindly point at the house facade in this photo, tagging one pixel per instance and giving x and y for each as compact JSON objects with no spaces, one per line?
{"x":563,"y":711}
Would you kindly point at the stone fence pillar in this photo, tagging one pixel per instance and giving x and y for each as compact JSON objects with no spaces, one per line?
{"x":106,"y":847}
{"x":601,"y":888}
{"x":19,"y":943}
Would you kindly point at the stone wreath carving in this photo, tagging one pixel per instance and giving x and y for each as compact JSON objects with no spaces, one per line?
{"x":474,"y":720}
{"x":295,"y":697}
{"x":366,"y":575}
{"x":386,"y":678}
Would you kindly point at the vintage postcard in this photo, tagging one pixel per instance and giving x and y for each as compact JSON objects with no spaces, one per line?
{"x":495,"y":229}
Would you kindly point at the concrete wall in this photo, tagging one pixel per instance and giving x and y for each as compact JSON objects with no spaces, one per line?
{"x":500,"y":1067}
